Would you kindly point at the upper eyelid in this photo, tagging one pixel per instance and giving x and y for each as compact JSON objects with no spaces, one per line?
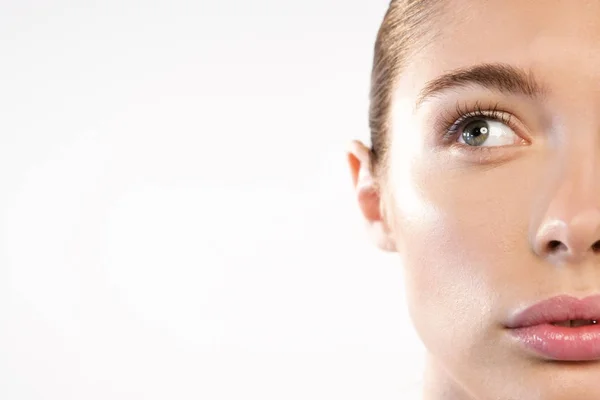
{"x":464,"y":109}
{"x":495,"y":115}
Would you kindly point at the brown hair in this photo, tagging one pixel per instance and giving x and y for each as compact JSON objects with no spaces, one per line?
{"x":401,"y":31}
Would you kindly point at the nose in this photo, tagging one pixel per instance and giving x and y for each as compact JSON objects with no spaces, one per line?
{"x":570,"y":240}
{"x":570,"y":227}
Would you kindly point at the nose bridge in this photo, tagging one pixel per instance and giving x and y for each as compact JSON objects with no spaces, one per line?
{"x":570,"y":225}
{"x":578,"y":192}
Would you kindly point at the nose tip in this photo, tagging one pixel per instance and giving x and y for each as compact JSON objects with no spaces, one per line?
{"x":570,"y":241}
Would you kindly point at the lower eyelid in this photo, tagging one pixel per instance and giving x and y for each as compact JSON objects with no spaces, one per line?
{"x":482,"y":155}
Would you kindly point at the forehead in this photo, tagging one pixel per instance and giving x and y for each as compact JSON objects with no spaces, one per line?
{"x":551,"y":37}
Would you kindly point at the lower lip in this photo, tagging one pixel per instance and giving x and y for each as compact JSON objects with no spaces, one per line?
{"x":561,"y":343}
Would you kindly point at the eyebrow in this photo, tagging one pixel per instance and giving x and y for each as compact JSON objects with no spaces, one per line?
{"x":502,"y":78}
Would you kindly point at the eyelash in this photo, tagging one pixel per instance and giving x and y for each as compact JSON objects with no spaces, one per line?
{"x":452,"y":123}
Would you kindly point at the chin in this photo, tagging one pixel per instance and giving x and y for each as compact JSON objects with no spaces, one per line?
{"x":555,"y":380}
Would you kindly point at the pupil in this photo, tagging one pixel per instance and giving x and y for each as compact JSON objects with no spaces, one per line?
{"x":475,"y":133}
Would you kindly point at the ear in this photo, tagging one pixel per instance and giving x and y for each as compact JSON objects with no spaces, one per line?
{"x":369,"y":196}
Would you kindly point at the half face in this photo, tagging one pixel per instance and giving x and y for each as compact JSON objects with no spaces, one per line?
{"x":493,"y":197}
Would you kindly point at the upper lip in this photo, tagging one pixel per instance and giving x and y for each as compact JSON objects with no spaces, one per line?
{"x":557,"y":309}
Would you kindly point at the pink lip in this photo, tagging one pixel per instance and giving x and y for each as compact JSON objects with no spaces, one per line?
{"x":533,"y":328}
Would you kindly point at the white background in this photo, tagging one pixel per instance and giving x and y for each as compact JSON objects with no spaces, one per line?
{"x":176,"y":215}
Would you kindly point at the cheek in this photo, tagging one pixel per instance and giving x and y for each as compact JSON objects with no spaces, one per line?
{"x":461,"y":231}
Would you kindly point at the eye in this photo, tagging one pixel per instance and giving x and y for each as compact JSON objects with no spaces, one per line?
{"x":484,"y":132}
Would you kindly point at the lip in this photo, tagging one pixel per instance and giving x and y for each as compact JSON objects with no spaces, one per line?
{"x":532,"y":328}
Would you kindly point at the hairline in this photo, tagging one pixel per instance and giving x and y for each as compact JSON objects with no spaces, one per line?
{"x":400,"y":37}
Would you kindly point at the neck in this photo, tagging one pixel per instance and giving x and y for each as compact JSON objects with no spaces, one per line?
{"x":439,"y":385}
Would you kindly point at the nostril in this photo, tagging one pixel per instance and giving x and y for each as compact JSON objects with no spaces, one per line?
{"x":555,"y":245}
{"x":596,"y":246}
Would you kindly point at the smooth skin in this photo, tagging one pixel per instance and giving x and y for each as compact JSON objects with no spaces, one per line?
{"x":480,"y":234}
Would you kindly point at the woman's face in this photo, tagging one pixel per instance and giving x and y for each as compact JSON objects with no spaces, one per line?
{"x":492,"y":213}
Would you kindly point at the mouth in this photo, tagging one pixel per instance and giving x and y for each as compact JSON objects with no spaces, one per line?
{"x":575,"y":323}
{"x":564,"y":311}
{"x":562,"y":328}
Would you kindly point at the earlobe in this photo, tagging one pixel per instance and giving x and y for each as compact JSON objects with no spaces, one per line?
{"x":368,"y":195}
